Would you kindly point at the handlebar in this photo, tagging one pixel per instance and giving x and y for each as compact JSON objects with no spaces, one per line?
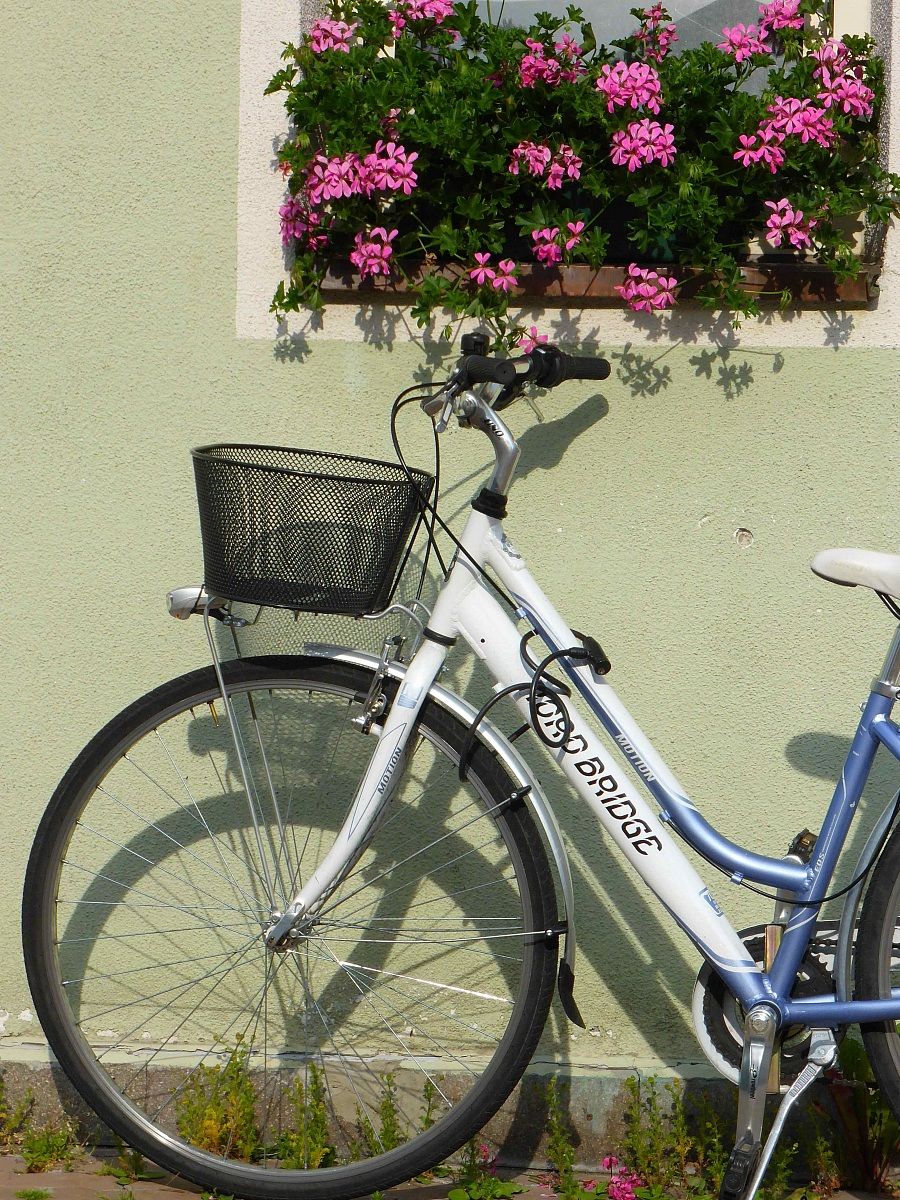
{"x":545,"y":366}
{"x":479,"y":369}
{"x":550,"y":367}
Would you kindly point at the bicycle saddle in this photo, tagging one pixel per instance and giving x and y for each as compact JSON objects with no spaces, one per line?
{"x":868,"y":568}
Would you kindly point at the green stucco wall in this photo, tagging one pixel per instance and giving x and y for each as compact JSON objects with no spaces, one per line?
{"x":117,"y":317}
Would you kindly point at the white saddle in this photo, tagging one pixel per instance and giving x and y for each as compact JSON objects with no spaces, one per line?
{"x":866,"y":568}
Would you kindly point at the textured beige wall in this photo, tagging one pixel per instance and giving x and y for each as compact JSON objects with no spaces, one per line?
{"x":117,"y":315}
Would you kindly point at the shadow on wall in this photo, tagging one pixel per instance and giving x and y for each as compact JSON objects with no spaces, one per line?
{"x":643,"y":371}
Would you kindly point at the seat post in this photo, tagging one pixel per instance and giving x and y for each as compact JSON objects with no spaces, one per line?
{"x":888,"y":683}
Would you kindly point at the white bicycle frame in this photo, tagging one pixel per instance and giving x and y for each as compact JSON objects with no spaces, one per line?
{"x":466,"y":608}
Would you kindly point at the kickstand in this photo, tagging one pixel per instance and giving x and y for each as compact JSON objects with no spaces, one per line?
{"x":822,"y":1054}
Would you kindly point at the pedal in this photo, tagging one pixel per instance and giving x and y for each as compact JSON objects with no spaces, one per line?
{"x":739,"y":1171}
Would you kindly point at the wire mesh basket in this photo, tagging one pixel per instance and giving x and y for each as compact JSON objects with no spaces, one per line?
{"x":303,"y":529}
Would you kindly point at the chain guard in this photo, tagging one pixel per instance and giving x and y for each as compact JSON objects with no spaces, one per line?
{"x":718,"y":1017}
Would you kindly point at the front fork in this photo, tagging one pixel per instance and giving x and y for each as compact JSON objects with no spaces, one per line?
{"x":372,"y":795}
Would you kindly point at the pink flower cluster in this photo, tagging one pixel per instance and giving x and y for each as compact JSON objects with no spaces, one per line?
{"x":743,"y":40}
{"x":645,"y":291}
{"x":841,"y":80}
{"x":643,"y":142}
{"x":539,"y":67}
{"x":633,"y":83}
{"x":550,"y":244}
{"x":800,"y":118}
{"x":373,"y":250}
{"x":790,"y":117}
{"x":503,"y":279}
{"x":388,"y":168}
{"x":623,"y":1182}
{"x":327,"y":34}
{"x":299,"y":221}
{"x":418,"y":10}
{"x":654,"y":34}
{"x":785,"y":221}
{"x":531,"y":339}
{"x":538,"y":158}
{"x":780,"y":14}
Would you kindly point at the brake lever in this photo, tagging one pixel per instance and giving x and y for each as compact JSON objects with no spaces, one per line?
{"x":446,"y":413}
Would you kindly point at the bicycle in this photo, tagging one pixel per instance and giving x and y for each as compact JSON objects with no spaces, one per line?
{"x":290,"y":922}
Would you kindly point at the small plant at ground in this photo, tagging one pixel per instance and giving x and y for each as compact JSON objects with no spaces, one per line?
{"x":390,"y":1133}
{"x":477,"y":1175}
{"x":429,"y":1105}
{"x":32,"y":1194}
{"x":778,"y":1174}
{"x":129,"y":1166}
{"x":825,"y":1175}
{"x":217,"y":1109}
{"x":709,"y":1145}
{"x":657,"y":1146}
{"x":560,"y":1150}
{"x":869,"y":1142}
{"x":307,"y":1145}
{"x":50,"y":1146}
{"x":12,"y":1118}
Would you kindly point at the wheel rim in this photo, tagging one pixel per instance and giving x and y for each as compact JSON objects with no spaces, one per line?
{"x":388,"y":1011}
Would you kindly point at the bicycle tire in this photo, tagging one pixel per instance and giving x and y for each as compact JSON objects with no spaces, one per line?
{"x":876,"y":959}
{"x":137,"y":1074}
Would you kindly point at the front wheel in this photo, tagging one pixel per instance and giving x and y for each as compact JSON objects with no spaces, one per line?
{"x":388,"y":1031}
{"x":877,"y":966}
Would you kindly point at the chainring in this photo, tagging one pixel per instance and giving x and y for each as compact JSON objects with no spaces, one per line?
{"x":719,"y":1017}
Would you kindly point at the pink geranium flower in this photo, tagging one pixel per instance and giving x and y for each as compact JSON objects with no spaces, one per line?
{"x":373,"y":250}
{"x":481,"y":272}
{"x":849,"y":93}
{"x":644,"y":290}
{"x":780,"y":14}
{"x":505,"y":278}
{"x":528,"y":341}
{"x":546,"y":247}
{"x":743,"y":40}
{"x":643,"y":142}
{"x":764,"y":146}
{"x":575,"y":230}
{"x":328,"y":34}
{"x":787,"y":222}
{"x":635,"y":84}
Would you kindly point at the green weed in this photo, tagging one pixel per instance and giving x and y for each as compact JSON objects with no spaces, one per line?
{"x":390,"y":1133}
{"x":826,"y":1177}
{"x":560,"y":1149}
{"x":217,"y":1109}
{"x":50,"y":1146}
{"x":13,"y":1118}
{"x":129,"y":1166}
{"x":869,"y":1144}
{"x":307,"y":1144}
{"x":33,"y":1194}
{"x":476,"y":1177}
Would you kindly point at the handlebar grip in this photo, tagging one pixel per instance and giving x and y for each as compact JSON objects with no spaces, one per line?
{"x":550,"y":367}
{"x":583,"y":368}
{"x":488,"y":370}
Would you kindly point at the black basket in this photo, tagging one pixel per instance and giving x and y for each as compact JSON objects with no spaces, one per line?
{"x":302,"y":529}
